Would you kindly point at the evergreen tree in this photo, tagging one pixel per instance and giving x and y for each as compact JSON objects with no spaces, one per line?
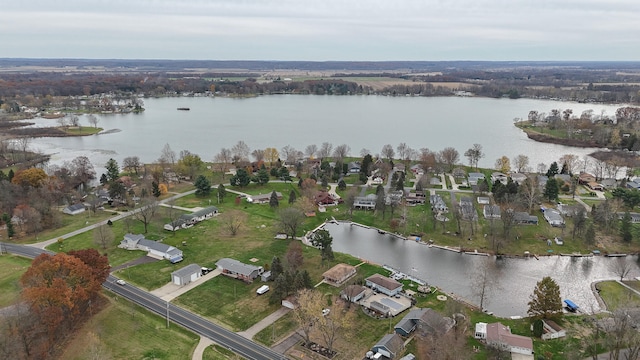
{"x":155,"y":189}
{"x":103,"y":180}
{"x":284,"y":174}
{"x":324,"y":183}
{"x":342,"y":185}
{"x":565,"y":169}
{"x":551,"y":189}
{"x":262,"y":177}
{"x":276,"y":267}
{"x":590,"y":235}
{"x":113,"y":170}
{"x":273,"y":200}
{"x":222,"y":192}
{"x":365,"y":167}
{"x":322,"y":239}
{"x":203,"y":186}
{"x":279,"y":290}
{"x":10,"y":175}
{"x":625,"y":228}
{"x":10,"y":229}
{"x":292,"y":197}
{"x":545,"y":301}
{"x":3,"y":176}
{"x":241,"y":178}
{"x":553,"y":170}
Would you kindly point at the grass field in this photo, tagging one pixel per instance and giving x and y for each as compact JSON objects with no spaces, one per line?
{"x":617,"y":296}
{"x":124,"y":331}
{"x":11,"y":269}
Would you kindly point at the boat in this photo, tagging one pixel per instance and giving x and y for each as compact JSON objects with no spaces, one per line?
{"x":184,"y":108}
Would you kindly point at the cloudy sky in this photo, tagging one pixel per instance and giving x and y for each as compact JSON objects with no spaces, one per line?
{"x":322,"y":29}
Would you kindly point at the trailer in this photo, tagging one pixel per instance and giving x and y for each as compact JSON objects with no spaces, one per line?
{"x":262,"y":289}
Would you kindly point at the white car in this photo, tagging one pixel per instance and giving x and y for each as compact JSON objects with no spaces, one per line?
{"x":120,"y":282}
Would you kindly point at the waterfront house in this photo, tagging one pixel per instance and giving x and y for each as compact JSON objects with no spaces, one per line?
{"x":353,"y":293}
{"x":353,"y":168}
{"x":383,"y":284}
{"x":553,"y":217}
{"x":427,"y":321}
{"x":468,"y":210}
{"x":475,"y":177}
{"x":585,"y":178}
{"x":523,"y":218}
{"x":437,"y":203}
{"x":365,"y":202}
{"x":238,"y":270}
{"x":500,"y":336}
{"x":635,"y":217}
{"x":338,"y":274}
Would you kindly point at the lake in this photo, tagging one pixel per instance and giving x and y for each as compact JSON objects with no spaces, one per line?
{"x":299,"y":120}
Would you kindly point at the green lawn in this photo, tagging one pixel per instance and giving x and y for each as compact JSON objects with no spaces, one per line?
{"x":11,"y":269}
{"x":125,"y":331}
{"x":68,"y":224}
{"x":280,"y":329}
{"x":217,"y":352}
{"x":617,"y":296}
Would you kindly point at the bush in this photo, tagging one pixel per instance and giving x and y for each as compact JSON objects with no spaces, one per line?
{"x":538,"y":328}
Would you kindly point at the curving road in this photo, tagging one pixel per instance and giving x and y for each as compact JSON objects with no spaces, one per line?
{"x":201,"y":326}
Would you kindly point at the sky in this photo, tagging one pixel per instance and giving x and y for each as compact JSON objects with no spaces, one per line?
{"x":322,"y":30}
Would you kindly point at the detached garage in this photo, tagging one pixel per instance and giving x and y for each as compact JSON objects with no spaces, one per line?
{"x":187,"y":274}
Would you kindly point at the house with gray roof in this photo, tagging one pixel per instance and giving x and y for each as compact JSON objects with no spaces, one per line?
{"x":437,"y":203}
{"x":427,"y":321}
{"x":389,"y":346}
{"x":523,"y":218}
{"x":491,"y":212}
{"x":153,"y":248}
{"x":188,"y":220}
{"x":238,"y":270}
{"x":74,"y":209}
{"x":383,"y":284}
{"x":367,"y":202}
{"x":474,"y":177}
{"x":468,"y":210}
{"x":553,"y":217}
{"x":187,"y":274}
{"x":262,"y":198}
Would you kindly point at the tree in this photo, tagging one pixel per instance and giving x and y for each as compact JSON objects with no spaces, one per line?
{"x":388,"y":152}
{"x":553,"y":170}
{"x":131,"y":163}
{"x":276,"y":267}
{"x":342,"y":185}
{"x":621,"y":267}
{"x":545,"y":301}
{"x":146,"y":212}
{"x":310,"y":305}
{"x":292,"y":197}
{"x":82,"y":169}
{"x":222,"y":192}
{"x":261,"y":177}
{"x":240,"y":152}
{"x":311,"y":150}
{"x":11,"y":232}
{"x":32,"y":177}
{"x":223,"y":160}
{"x":322,"y":239}
{"x":484,"y":282}
{"x":93,"y":120}
{"x":99,"y":265}
{"x":103,"y":236}
{"x":521,"y":163}
{"x":590,"y":235}
{"x":503,"y":164}
{"x":232,"y":221}
{"x":113,"y":170}
{"x":335,"y":323}
{"x":189,"y":164}
{"x":325,"y":150}
{"x":203,"y":186}
{"x":529,"y":192}
{"x":474,"y":154}
{"x":155,"y":189}
{"x":273,"y":200}
{"x":241,"y":178}
{"x":551,"y":189}
{"x":450,"y":157}
{"x":258,"y":155}
{"x":290,"y":220}
{"x":294,"y":256}
{"x":271,"y":155}
{"x":341,"y":151}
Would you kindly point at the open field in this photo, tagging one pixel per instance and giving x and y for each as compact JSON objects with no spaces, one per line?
{"x":11,"y":269}
{"x":122,"y":330}
{"x":617,"y":296}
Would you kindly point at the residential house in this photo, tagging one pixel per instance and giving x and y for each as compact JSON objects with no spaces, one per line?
{"x":380,"y":308}
{"x":518,"y":178}
{"x":187,"y":274}
{"x":323,"y":198}
{"x":635,"y":217}
{"x":394,"y":197}
{"x":262,"y":198}
{"x":74,"y":209}
{"x":551,"y":330}
{"x":390,"y":346}
{"x":491,"y":212}
{"x":474,"y":178}
{"x":459,"y":173}
{"x":290,"y":302}
{"x":563,"y":179}
{"x":498,"y":176}
{"x":585,"y":178}
{"x":595,"y":186}
{"x":153,"y":248}
{"x":482,"y":200}
{"x":409,"y":322}
{"x":500,"y":336}
{"x":468,"y":210}
{"x":383,"y":284}
{"x":188,"y":220}
{"x":571,"y":210}
{"x":523,"y":218}
{"x":353,"y":168}
{"x":609,"y":183}
{"x":633,"y":184}
{"x":415,"y":198}
{"x":365,"y":202}
{"x":408,"y":357}
{"x":435,"y":181}
{"x":338,"y":274}
{"x":238,"y":270}
{"x":542,"y":181}
{"x":437,"y":203}
{"x":353,"y":293}
{"x":553,"y":217}
{"x":399,"y":167}
{"x":417,"y":169}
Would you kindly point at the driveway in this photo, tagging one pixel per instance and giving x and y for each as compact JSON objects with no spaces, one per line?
{"x":264,"y":323}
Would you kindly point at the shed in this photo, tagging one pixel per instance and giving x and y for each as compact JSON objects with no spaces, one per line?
{"x":338,"y":274}
{"x":187,"y":274}
{"x":74,"y":209}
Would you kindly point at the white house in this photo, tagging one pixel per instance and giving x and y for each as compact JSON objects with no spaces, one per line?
{"x":383,"y":284}
{"x":187,"y":274}
{"x":552,"y":330}
{"x":553,"y":217}
{"x":153,"y":248}
{"x":500,"y":336}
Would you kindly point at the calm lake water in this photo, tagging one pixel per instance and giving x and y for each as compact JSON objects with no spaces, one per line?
{"x":360,"y":122}
{"x":514,"y":278}
{"x":299,"y":120}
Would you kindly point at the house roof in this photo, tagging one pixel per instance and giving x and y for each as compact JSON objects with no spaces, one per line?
{"x":491,"y":210}
{"x":206,"y":211}
{"x":501,"y":333}
{"x":158,"y":246}
{"x":236,"y":266}
{"x":133,"y":237}
{"x":409,"y":321}
{"x":436,"y":322}
{"x":384,"y":281}
{"x":381,"y":308}
{"x":392,"y":342}
{"x":75,"y":207}
{"x":552,"y":324}
{"x":352,"y":291}
{"x":265,"y":197}
{"x":187,"y":270}
{"x":339,"y":272}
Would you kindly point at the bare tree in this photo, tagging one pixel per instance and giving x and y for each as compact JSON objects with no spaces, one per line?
{"x":621,"y":267}
{"x":325,"y":151}
{"x":621,"y":336}
{"x":484,"y":281}
{"x":521,"y":163}
{"x":223,"y":160}
{"x":309,"y":310}
{"x":62,"y":121}
{"x":341,"y":151}
{"x":131,"y":163}
{"x":294,"y":256}
{"x":74,"y":120}
{"x":168,"y":156}
{"x":542,"y":168}
{"x":388,"y":152}
{"x":530,"y":192}
{"x":402,"y":150}
{"x":290,"y":154}
{"x":258,"y":155}
{"x":450,"y":157}
{"x":171,"y":212}
{"x":233,"y":221}
{"x":240,"y":152}
{"x":571,"y":161}
{"x":311,"y":150}
{"x":474,"y":154}
{"x":146,"y":212}
{"x":335,"y":323}
{"x":103,"y":236}
{"x":290,"y":220}
{"x":93,"y":120}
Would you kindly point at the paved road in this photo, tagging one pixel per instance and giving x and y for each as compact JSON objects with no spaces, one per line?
{"x":232,"y":341}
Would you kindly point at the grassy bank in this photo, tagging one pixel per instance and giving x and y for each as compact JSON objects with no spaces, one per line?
{"x":11,"y":269}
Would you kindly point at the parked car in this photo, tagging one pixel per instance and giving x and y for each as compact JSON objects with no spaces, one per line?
{"x":121,"y":282}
